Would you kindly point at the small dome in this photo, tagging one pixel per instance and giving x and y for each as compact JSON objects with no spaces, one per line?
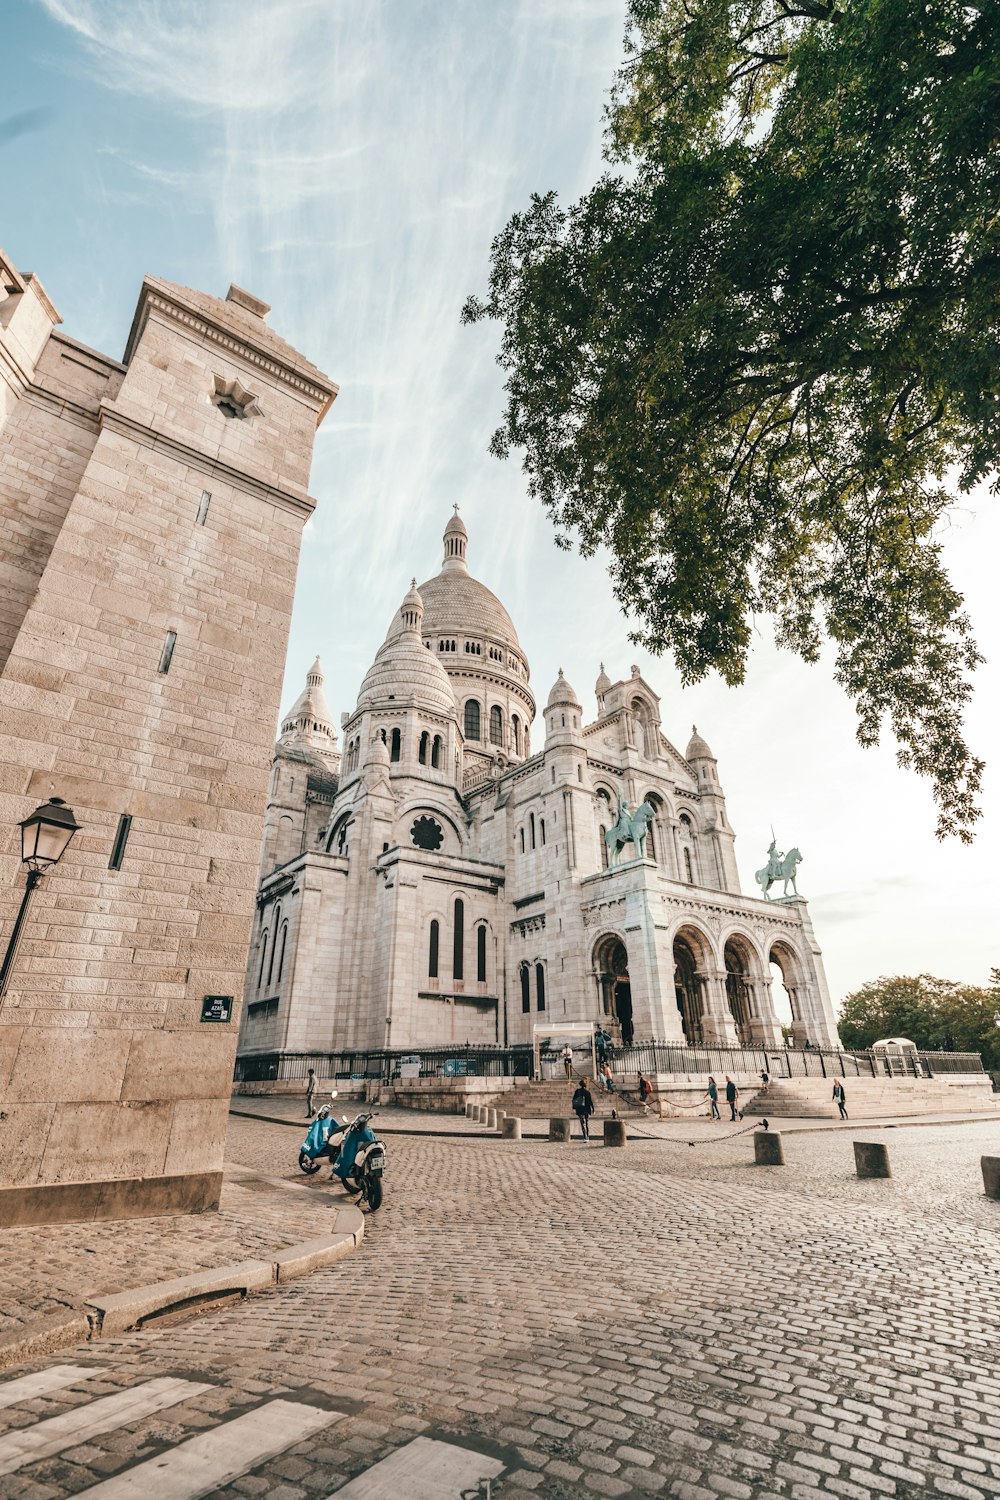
{"x":698,"y":749}
{"x":456,"y":526}
{"x":309,"y":721}
{"x":404,"y":669}
{"x":377,"y":753}
{"x":603,"y":683}
{"x":562,"y":693}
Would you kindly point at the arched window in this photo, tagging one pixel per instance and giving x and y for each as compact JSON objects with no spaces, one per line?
{"x":515,"y":725}
{"x":525,"y":988}
{"x":432,"y":956}
{"x":688,"y":873}
{"x":458,"y":960}
{"x":496,"y":726}
{"x":521,"y":832}
{"x":396,"y":745}
{"x":651,"y":830}
{"x":531,"y":826}
{"x":481,"y":954}
{"x":541,"y":829}
{"x":274,"y":945}
{"x":263,"y":958}
{"x":383,"y":737}
{"x":472,"y":720}
{"x":540,"y":985}
{"x":603,"y":834}
{"x":281,"y":950}
{"x":422,"y":749}
{"x":436,"y":753}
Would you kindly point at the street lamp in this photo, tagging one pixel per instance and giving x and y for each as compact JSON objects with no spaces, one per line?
{"x":45,"y":837}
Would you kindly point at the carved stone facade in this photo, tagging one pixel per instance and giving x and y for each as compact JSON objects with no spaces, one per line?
{"x":367,"y":936}
{"x":151,"y":511}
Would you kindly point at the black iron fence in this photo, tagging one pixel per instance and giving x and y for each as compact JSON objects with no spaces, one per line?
{"x":384,"y":1065}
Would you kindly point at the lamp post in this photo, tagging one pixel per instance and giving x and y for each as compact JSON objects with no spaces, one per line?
{"x":45,"y":837}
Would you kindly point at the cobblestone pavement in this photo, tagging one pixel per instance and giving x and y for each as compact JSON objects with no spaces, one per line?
{"x":661,"y":1320}
{"x":46,"y":1270}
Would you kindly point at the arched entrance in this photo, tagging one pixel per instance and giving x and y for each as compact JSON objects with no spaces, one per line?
{"x":785,"y":997}
{"x":739,"y":988}
{"x":687,"y":989}
{"x":611,"y":965}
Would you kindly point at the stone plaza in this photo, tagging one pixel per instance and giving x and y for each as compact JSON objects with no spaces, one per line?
{"x":663,"y":1320}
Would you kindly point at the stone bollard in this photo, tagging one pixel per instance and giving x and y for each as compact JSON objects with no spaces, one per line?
{"x":477,"y":1114}
{"x":470,"y":1109}
{"x":767,"y":1149}
{"x":511,"y":1128}
{"x":614,"y":1133}
{"x":871,"y":1159}
{"x":559,"y":1130}
{"x":491,"y":1119}
{"x":991,"y":1176}
{"x":501,"y":1116}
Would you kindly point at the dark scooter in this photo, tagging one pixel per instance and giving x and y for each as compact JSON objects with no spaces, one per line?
{"x":356,"y":1153}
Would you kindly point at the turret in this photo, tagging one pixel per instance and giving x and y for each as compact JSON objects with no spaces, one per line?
{"x":714,"y":822}
{"x":456,"y":539}
{"x":563,"y":715}
{"x":601,"y":686}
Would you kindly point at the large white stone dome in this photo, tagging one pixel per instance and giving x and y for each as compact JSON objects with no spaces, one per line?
{"x":458,"y":604}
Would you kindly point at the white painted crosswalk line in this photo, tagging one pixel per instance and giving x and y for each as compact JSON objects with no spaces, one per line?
{"x":205,"y":1463}
{"x":425,"y":1469}
{"x":29,"y":1444}
{"x":56,"y":1378}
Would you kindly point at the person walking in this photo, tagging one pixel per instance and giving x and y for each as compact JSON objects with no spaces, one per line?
{"x":713,"y":1098}
{"x":310,"y":1093}
{"x":583,"y":1107}
{"x":645,"y":1093}
{"x":567,"y":1058}
{"x":601,"y":1040}
{"x":840,"y":1098}
{"x":606,"y":1078}
{"x":732,"y":1097}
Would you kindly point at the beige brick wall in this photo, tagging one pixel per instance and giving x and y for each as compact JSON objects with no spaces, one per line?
{"x":104,"y":1007}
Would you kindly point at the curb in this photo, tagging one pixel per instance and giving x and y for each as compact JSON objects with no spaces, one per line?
{"x":483,"y":1133}
{"x":124,"y":1312}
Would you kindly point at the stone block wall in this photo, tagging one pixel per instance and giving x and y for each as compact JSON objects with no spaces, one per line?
{"x":107,"y":1068}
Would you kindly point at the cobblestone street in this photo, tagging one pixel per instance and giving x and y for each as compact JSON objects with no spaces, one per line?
{"x":665,"y":1320}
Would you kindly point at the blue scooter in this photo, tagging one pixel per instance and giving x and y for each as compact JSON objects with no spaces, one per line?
{"x":358,"y":1159}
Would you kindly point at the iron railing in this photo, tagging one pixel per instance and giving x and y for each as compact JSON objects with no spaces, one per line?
{"x":640,"y":1057}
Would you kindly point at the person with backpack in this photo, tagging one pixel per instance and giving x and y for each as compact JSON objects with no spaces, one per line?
{"x":732,"y":1097}
{"x":583,"y":1107}
{"x":645,"y":1093}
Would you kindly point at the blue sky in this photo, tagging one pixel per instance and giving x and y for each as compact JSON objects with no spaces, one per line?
{"x":350,"y":163}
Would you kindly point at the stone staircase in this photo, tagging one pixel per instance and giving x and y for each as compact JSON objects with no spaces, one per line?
{"x":872,"y":1098}
{"x":552,"y":1100}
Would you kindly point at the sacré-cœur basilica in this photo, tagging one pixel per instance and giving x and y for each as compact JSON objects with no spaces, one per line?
{"x":441,"y":877}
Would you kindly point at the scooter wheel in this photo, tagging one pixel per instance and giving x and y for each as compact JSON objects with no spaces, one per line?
{"x":374,"y":1193}
{"x":308,"y":1164}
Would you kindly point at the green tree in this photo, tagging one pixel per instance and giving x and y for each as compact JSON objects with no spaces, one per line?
{"x":936,"y":1014}
{"x":748,"y":360}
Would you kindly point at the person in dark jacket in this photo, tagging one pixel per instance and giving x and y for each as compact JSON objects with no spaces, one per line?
{"x":583,"y":1108}
{"x":645,"y":1092}
{"x":732,"y":1097}
{"x":840,"y":1098}
{"x":713,"y":1098}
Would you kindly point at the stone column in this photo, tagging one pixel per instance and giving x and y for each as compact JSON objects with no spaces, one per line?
{"x":717,"y":1019}
{"x":765,"y":1027}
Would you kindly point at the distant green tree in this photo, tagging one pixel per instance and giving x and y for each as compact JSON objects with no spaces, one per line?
{"x":936,"y":1014}
{"x":747,"y":359}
